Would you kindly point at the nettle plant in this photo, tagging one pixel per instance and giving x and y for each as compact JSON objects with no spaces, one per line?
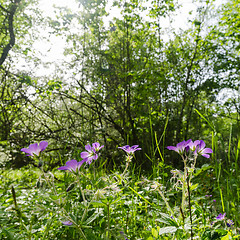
{"x":86,"y":204}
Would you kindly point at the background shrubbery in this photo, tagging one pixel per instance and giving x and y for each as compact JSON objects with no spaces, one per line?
{"x":127,"y":80}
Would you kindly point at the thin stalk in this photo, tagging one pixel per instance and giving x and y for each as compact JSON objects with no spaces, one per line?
{"x":152,"y":136}
{"x":86,"y":209}
{"x":184,"y":184}
{"x":161,"y":156}
{"x":17,"y":209}
{"x":189,"y":204}
{"x":229,"y":144}
{"x":194,"y":164}
{"x":108,"y":217}
{"x":220,"y":190}
{"x":129,"y":158}
{"x":236,"y":156}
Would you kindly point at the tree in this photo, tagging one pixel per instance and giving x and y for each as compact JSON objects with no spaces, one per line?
{"x":7,"y":37}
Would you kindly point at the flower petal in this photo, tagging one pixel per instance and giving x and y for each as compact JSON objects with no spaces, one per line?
{"x":96,"y":145}
{"x":63,"y":168}
{"x":88,"y":147}
{"x":207,"y":150}
{"x":124,"y":147}
{"x":134,"y":146}
{"x":33,"y":147}
{"x":43,"y":145}
{"x":84,"y":155}
{"x":202,"y":144}
{"x":72,"y":164}
{"x":172,"y":148}
{"x":67,"y":223}
{"x":26,"y":150}
{"x":81,"y":163}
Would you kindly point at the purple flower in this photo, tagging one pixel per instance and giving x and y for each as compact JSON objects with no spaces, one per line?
{"x":230,"y":223}
{"x":221,"y":216}
{"x":201,"y":150}
{"x":130,"y":150}
{"x":35,"y":149}
{"x":67,"y":223}
{"x":192,"y":145}
{"x":198,"y":148}
{"x":122,"y":233}
{"x":180,"y":147}
{"x":72,"y":165}
{"x":92,"y":152}
{"x":96,"y":146}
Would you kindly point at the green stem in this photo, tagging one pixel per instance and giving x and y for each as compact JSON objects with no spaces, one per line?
{"x":184,"y":184}
{"x":194,"y":164}
{"x":129,"y":158}
{"x":189,"y":204}
{"x":108,"y":216}
{"x":46,"y":177}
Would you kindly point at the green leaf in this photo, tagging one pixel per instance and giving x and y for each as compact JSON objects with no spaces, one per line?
{"x":202,"y":169}
{"x":92,"y":218}
{"x":150,"y":238}
{"x":193,"y":186}
{"x":154,"y":232}
{"x":98,"y":204}
{"x":227,"y":237}
{"x":165,"y":230}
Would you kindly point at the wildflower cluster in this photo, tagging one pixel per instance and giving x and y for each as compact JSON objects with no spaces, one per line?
{"x":197,"y":148}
